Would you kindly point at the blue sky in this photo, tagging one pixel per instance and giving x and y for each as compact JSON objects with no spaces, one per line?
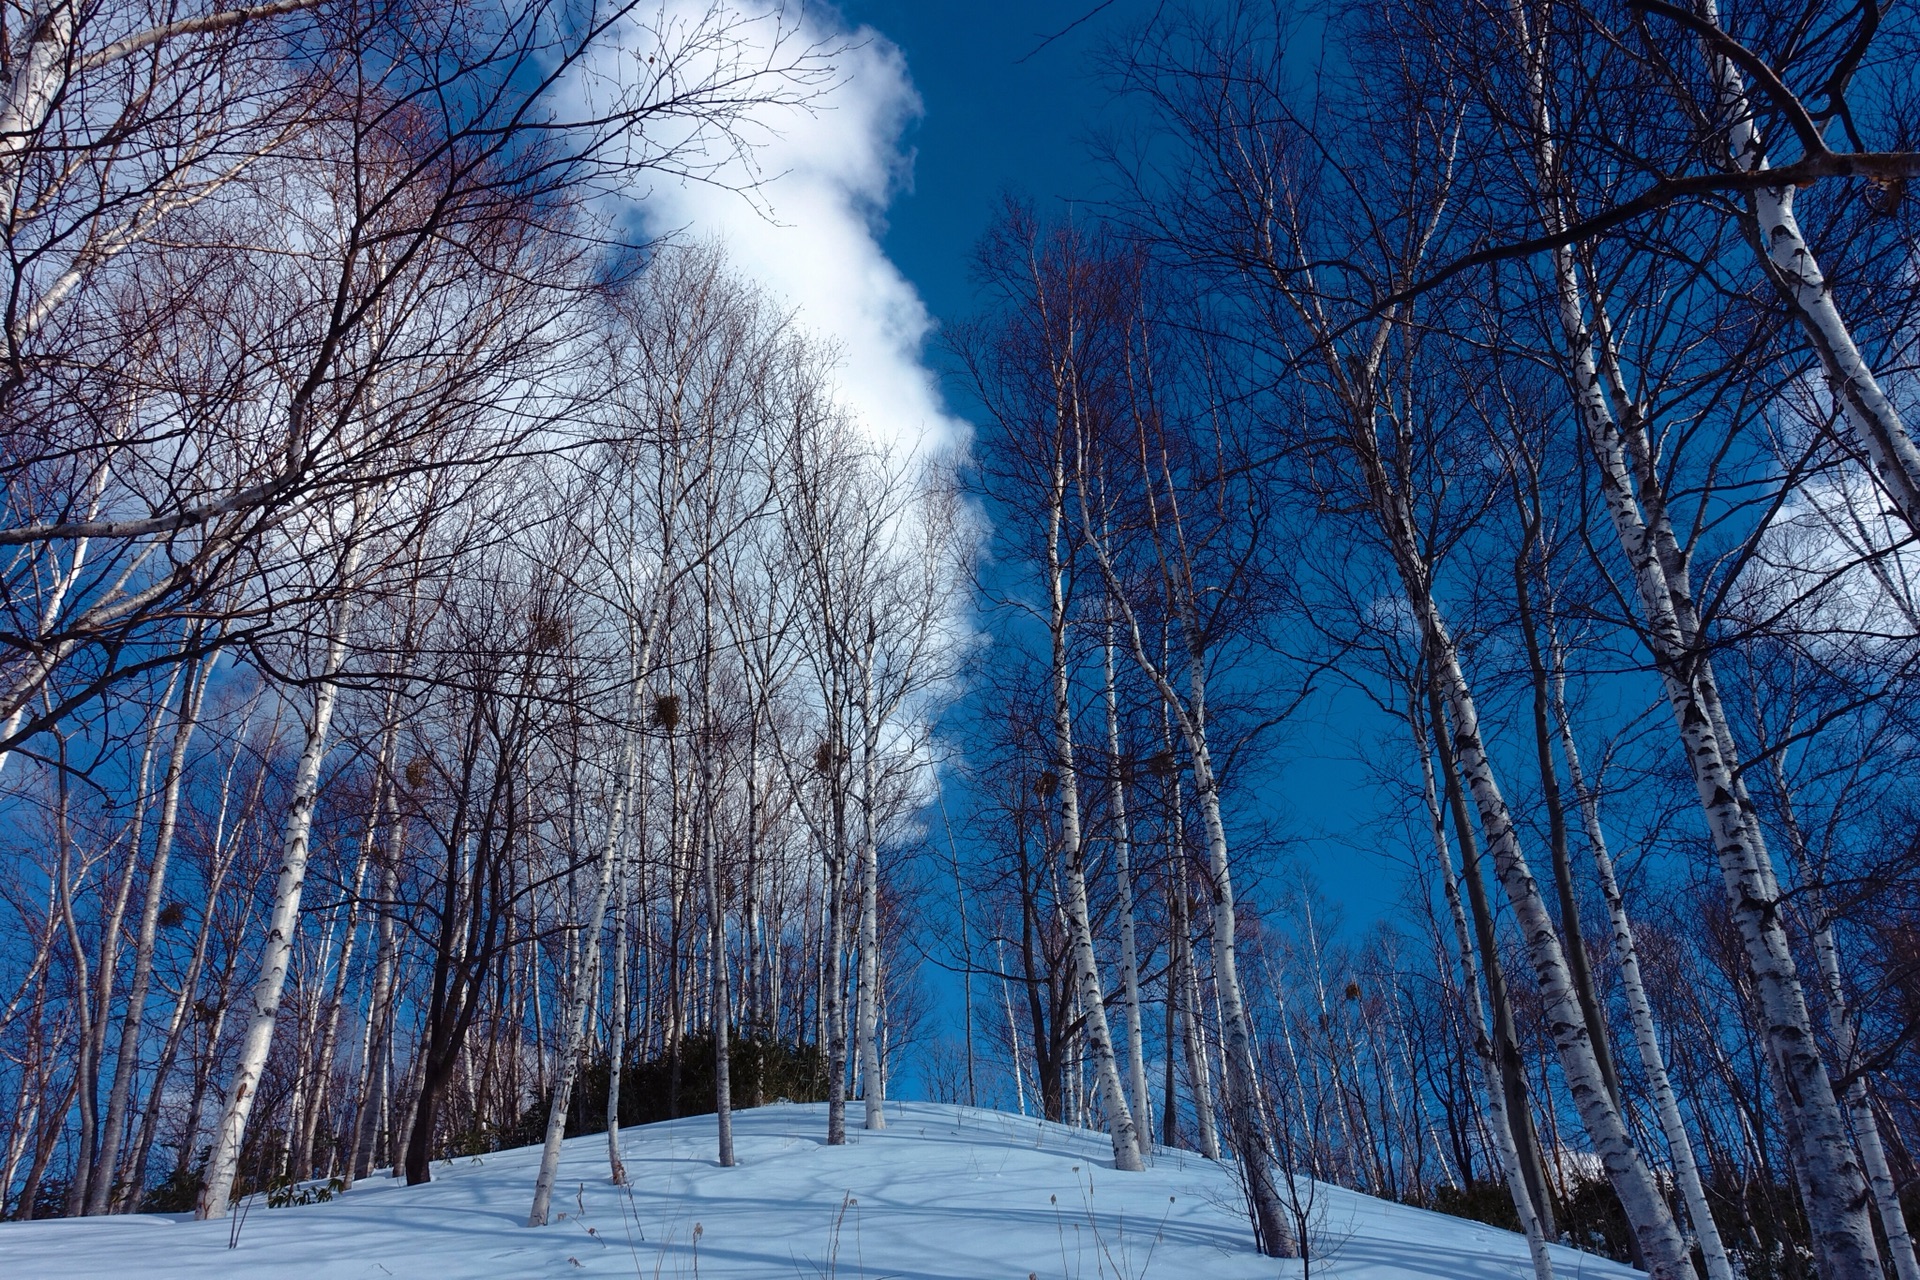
{"x":999,"y":115}
{"x":1004,"y":108}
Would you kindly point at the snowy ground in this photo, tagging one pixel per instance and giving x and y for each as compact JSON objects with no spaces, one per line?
{"x":945,"y":1193}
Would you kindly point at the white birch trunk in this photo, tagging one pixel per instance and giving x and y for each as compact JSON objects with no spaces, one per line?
{"x":39,"y":75}
{"x":225,"y":847}
{"x":369,"y":854}
{"x":136,"y":1181}
{"x":1013,"y":1029}
{"x":617,"y":1018}
{"x":1244,"y":1098}
{"x":86,"y":1064}
{"x":1660,"y":1241}
{"x":867,"y":1027}
{"x":330,"y":1024}
{"x":126,"y":1063}
{"x":1866,"y":1126}
{"x":1271,"y":1219}
{"x":1789,"y":262}
{"x":1236,"y":1030}
{"x":1126,"y":1141}
{"x":85,"y":1190}
{"x":1816,"y":1128}
{"x":833,"y":876}
{"x":720,"y":1019}
{"x":1188,"y":977}
{"x":568,"y":1068}
{"x":1123,"y":868}
{"x":376,"y":1071}
{"x":305,"y":1054}
{"x":1501,"y":1125}
{"x":42,"y":71}
{"x":1843,"y":1239}
{"x":26,"y":1118}
{"x":224,"y":1163}
{"x":1686,"y":1170}
{"x":56,"y":600}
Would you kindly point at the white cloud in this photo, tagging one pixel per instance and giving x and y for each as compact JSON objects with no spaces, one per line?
{"x":809,"y":233}
{"x":1837,"y":564}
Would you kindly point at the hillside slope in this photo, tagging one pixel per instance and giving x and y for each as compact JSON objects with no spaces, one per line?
{"x":945,"y":1193}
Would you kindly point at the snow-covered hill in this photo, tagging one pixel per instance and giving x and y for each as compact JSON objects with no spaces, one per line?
{"x":945,"y":1193}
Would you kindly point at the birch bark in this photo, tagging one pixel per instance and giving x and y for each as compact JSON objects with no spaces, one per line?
{"x":126,"y":1063}
{"x":1843,"y":1239}
{"x":1123,"y":869}
{"x":377,"y":1076}
{"x":369,"y":854}
{"x":867,"y":1027}
{"x":1240,"y":1080}
{"x":720,"y":1020}
{"x":1788,"y":261}
{"x":1186,"y":992}
{"x":1686,"y":1170}
{"x":63,"y":582}
{"x":1581,"y":968}
{"x":86,"y":1064}
{"x":569,"y":1066}
{"x":39,"y":76}
{"x":1273,"y":1229}
{"x":224,"y":1163}
{"x":1836,"y":1185}
{"x":758,"y":1009}
{"x":85,"y":1190}
{"x":1516,"y":1102}
{"x":1633,"y":1182}
{"x":136,"y":1181}
{"x":226,"y":845}
{"x":585,"y":981}
{"x":833,"y":876}
{"x":1502,"y":1126}
{"x":617,"y":1018}
{"x":567,"y":1069}
{"x":1120,"y":1125}
{"x":1866,"y":1126}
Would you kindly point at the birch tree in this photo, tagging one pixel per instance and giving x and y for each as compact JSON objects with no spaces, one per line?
{"x":224,"y":1164}
{"x":1236,"y":125}
{"x":1833,"y":1175}
{"x":215,"y":100}
{"x":1036,"y":379}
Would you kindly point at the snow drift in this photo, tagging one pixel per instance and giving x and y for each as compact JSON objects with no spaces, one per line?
{"x":945,"y":1193}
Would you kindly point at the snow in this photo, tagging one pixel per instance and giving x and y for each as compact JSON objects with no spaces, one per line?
{"x":944,"y":1193}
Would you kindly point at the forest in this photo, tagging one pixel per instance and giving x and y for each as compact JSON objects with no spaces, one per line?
{"x":469,"y":676}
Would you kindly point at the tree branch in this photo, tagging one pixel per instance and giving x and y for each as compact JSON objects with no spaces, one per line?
{"x":1727,"y":47}
{"x":1881,"y":166}
{"x":190,"y":26}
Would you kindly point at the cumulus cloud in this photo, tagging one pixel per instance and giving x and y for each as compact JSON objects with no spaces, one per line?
{"x":803,"y":213}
